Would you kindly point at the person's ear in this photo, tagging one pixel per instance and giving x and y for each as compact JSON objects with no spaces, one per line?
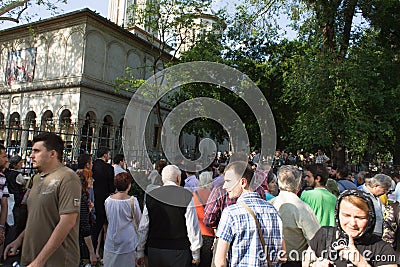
{"x":318,"y":179}
{"x":53,"y":154}
{"x":243,"y":182}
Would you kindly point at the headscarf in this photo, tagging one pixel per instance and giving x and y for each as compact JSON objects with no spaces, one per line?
{"x":366,"y":234}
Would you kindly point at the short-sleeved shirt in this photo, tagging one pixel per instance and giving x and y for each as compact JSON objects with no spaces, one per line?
{"x":54,"y":194}
{"x":3,"y":186}
{"x":299,"y":222}
{"x":376,"y":251}
{"x":238,"y":228}
{"x":323,"y":203}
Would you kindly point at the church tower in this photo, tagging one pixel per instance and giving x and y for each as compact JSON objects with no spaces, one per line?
{"x":118,"y":10}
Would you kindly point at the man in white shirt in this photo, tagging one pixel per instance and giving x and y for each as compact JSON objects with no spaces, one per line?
{"x":119,"y":164}
{"x":169,"y":224}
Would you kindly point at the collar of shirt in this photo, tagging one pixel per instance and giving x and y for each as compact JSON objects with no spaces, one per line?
{"x":42,"y":175}
{"x":366,"y":190}
{"x":190,"y":178}
{"x":170,"y":183}
{"x":287,"y":194}
{"x":248,"y":195}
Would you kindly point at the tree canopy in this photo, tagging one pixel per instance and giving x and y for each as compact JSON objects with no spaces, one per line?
{"x":334,"y":86}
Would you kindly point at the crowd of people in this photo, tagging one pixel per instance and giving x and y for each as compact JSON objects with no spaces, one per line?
{"x":237,"y":212}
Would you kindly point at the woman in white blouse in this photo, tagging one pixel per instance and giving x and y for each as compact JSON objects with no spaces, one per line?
{"x":123,"y":215}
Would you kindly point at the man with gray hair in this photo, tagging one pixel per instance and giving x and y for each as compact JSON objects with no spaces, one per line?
{"x":375,"y":187}
{"x":169,"y":224}
{"x":299,"y":221}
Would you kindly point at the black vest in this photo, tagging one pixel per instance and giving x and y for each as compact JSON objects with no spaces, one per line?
{"x":167,"y":206}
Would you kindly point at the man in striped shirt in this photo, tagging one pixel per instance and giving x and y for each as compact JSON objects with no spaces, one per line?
{"x":238,"y":231}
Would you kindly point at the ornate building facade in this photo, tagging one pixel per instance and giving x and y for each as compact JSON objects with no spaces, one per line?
{"x":59,"y":76}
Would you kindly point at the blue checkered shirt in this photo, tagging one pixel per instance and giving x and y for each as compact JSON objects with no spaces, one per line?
{"x":238,"y":228}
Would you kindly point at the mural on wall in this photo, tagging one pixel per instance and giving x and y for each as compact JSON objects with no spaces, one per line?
{"x":20,"y":66}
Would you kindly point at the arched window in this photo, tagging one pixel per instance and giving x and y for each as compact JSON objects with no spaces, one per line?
{"x":47,"y":123}
{"x":66,"y":131}
{"x":105,"y":131}
{"x":15,"y":131}
{"x":87,"y":132}
{"x":30,"y":126}
{"x":118,"y":137}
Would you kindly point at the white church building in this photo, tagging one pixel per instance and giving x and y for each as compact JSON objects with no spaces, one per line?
{"x":59,"y":75}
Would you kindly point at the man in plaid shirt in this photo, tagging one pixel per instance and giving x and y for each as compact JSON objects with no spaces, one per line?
{"x":237,"y":230}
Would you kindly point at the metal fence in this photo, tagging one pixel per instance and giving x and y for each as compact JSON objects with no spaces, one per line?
{"x":79,"y":137}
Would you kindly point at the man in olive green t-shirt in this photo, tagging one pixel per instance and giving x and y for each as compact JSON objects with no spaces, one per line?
{"x":321,"y":201}
{"x":51,"y":234}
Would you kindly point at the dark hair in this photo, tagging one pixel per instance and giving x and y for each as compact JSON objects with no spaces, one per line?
{"x":270,"y":177}
{"x":83,"y":160}
{"x":51,"y":141}
{"x":318,"y":170}
{"x":221,"y":168}
{"x":122,"y":181}
{"x":343,"y":172}
{"x":160,"y":165}
{"x":190,"y":167}
{"x":118,"y":158}
{"x":14,"y":160}
{"x":101,"y":151}
{"x":2,"y":147}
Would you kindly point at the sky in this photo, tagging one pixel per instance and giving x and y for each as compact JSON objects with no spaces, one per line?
{"x":101,"y":7}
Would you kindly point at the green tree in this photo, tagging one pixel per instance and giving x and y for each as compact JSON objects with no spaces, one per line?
{"x":170,"y":25}
{"x":338,"y":82}
{"x":15,"y":10}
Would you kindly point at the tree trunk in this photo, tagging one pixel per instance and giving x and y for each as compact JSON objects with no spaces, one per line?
{"x":396,"y":150}
{"x":338,"y":156}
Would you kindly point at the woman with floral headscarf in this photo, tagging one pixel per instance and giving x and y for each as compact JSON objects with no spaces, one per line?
{"x":351,"y":242}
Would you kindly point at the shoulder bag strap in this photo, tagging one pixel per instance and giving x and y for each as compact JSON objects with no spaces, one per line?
{"x":133,"y":213}
{"x":199,"y":198}
{"x":260,"y":235}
